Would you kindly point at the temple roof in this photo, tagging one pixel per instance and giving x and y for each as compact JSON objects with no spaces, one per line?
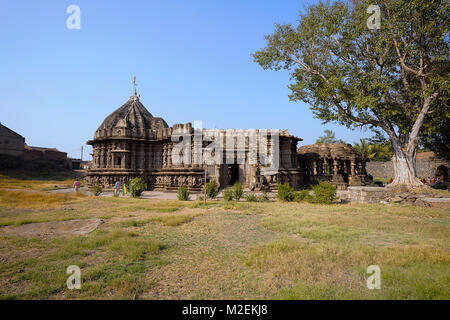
{"x":131,"y":120}
{"x":329,"y":150}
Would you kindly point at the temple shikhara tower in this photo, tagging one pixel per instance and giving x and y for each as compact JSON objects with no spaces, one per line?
{"x":131,"y":143}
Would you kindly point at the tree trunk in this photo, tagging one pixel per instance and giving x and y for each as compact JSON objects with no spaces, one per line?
{"x":404,"y":167}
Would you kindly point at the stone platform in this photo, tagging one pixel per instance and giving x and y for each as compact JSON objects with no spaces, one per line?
{"x":386,"y":195}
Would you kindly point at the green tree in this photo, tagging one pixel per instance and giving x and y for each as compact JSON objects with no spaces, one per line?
{"x":380,"y":151}
{"x":328,"y":137}
{"x":437,"y":137}
{"x":363,"y":148}
{"x":394,"y":78}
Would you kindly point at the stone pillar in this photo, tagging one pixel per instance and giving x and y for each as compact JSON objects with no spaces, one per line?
{"x":352,"y":167}
{"x":133,"y":155}
{"x":142,"y":157}
{"x":315,"y":167}
{"x":218,"y":175}
{"x":169,"y":156}
{"x":125,"y":162}
{"x":335,"y":166}
{"x":164,"y":156}
{"x":102,"y":156}
{"x":325,"y":166}
{"x":150,"y":156}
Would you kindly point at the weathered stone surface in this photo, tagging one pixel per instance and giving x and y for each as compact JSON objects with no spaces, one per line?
{"x":420,"y":203}
{"x":396,"y":199}
{"x":338,"y":163}
{"x":426,"y":168}
{"x":437,"y":202}
{"x":54,"y":228}
{"x":132,"y":143}
{"x":387,"y":195}
{"x":364,"y":194}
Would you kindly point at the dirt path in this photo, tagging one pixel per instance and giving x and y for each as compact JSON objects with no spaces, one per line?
{"x":53,"y":228}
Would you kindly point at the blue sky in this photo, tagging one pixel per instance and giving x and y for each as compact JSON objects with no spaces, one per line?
{"x":192,"y":61}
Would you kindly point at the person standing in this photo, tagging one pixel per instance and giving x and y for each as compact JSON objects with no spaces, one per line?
{"x":76,"y":185}
{"x":117,"y":188}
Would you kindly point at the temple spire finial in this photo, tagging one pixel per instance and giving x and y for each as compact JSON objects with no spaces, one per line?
{"x":134,"y":83}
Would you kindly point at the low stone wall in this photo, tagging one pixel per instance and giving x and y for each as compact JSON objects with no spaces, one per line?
{"x":388,"y":196}
{"x":426,"y":168}
{"x":366,"y":194}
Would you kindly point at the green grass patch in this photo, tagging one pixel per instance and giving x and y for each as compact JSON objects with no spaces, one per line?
{"x":174,"y":220}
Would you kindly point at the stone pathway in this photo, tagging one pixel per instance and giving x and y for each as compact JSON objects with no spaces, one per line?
{"x":164,"y":195}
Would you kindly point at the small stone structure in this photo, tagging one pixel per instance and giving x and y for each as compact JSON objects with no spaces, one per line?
{"x":338,"y":163}
{"x":386,"y":195}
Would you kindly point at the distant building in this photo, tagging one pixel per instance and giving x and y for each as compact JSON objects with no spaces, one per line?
{"x":74,"y":164}
{"x":15,"y":153}
{"x":11,"y":143}
{"x":39,"y":153}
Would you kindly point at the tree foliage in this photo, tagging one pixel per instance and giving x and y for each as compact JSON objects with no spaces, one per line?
{"x":374,"y":149}
{"x":137,"y":186}
{"x":437,"y":137}
{"x":394,"y":78}
{"x":328,"y":137}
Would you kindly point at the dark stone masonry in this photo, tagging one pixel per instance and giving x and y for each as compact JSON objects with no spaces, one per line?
{"x":132,"y":143}
{"x":426,"y":168}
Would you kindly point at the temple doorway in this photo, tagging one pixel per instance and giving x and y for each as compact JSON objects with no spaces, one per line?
{"x":441,"y":173}
{"x":233,"y":173}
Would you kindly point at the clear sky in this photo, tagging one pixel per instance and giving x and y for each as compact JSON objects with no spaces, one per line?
{"x":192,"y":61}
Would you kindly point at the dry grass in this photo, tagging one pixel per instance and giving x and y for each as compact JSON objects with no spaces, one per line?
{"x":49,"y":182}
{"x":167,"y":249}
{"x":35,"y":200}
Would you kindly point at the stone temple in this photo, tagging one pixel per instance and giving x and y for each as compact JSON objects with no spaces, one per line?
{"x":131,"y":143}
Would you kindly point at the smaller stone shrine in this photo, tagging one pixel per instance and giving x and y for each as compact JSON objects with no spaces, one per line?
{"x":338,"y":163}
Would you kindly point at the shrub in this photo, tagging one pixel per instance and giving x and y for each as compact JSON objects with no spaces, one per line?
{"x":285,"y":192}
{"x":324,"y":192}
{"x":302,"y":195}
{"x":228,"y":194}
{"x":212,"y":189}
{"x":237,"y":191}
{"x":137,"y":186}
{"x":183,"y":193}
{"x":97,"y":189}
{"x":264,"y":196}
{"x":439,"y":185}
{"x":250,"y":197}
